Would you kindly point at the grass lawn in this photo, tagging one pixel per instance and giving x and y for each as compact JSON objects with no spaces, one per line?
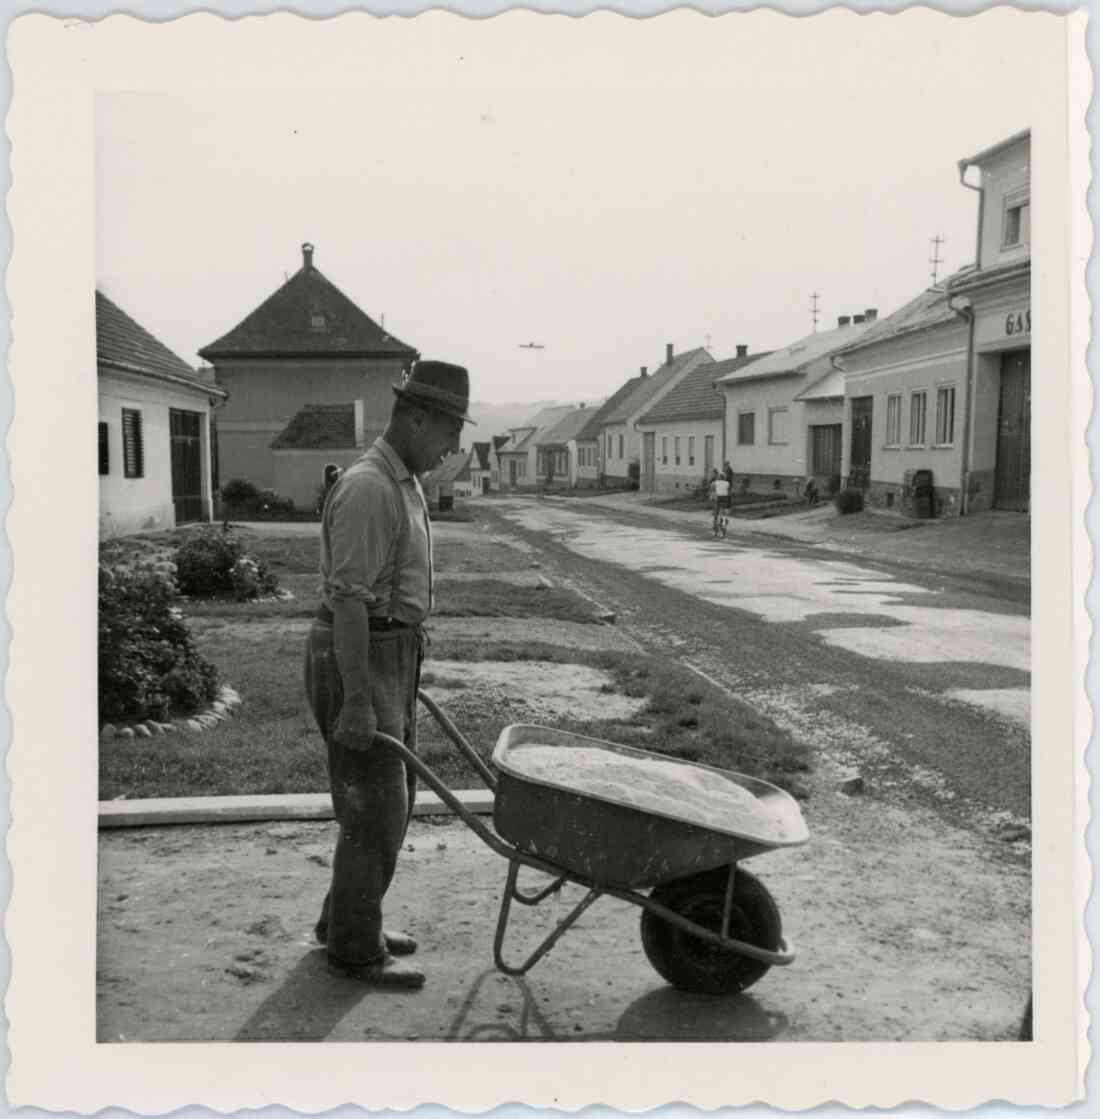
{"x":272,"y":744}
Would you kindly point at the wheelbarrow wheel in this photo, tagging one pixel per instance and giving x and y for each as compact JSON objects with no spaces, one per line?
{"x":689,"y":962}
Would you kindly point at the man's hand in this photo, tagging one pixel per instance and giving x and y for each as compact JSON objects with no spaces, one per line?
{"x":356,"y":724}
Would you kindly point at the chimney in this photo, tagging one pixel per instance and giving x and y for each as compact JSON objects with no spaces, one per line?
{"x":307,"y":255}
{"x":871,"y":314}
{"x":644,"y":371}
{"x":360,"y":434}
{"x":857,"y":319}
{"x":844,"y":320}
{"x":742,"y":351}
{"x":668,"y":353}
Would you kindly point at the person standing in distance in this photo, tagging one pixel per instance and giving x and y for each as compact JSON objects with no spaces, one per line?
{"x":363,"y":657}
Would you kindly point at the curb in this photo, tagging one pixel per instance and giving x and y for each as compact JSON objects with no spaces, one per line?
{"x":160,"y":811}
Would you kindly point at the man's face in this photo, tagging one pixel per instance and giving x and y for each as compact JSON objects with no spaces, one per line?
{"x":438,"y":437}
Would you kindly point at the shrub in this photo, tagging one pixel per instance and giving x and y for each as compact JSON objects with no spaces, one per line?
{"x":148,"y":664}
{"x":212,"y":562}
{"x":240,"y":493}
{"x":849,"y":501}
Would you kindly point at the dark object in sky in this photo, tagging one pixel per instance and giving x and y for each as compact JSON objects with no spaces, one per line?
{"x":531,"y":346}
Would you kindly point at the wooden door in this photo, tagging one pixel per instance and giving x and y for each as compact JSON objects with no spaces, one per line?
{"x":825,"y":449}
{"x":708,"y":456}
{"x":859,"y":462}
{"x":183,"y":431}
{"x":1012,"y":487}
{"x":649,"y":458}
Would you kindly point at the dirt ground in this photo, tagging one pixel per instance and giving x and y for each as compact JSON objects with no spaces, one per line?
{"x":906,"y":930}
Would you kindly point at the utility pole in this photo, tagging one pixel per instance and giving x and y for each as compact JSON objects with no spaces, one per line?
{"x":813,"y":309}
{"x":935,"y":259}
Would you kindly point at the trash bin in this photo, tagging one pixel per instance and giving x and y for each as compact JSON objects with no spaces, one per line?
{"x":924,"y":494}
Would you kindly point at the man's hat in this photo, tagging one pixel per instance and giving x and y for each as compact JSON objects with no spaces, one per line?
{"x":438,"y":385}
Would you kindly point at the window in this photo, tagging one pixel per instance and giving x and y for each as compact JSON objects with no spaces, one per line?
{"x":317,"y":321}
{"x":746,"y":422}
{"x":608,"y":455}
{"x":918,"y":413}
{"x":620,"y":446}
{"x":664,"y":449}
{"x":691,"y":450}
{"x":133,"y":444}
{"x":1017,"y":223}
{"x":777,"y":425}
{"x":676,"y":449}
{"x":945,"y":414}
{"x":104,"y":451}
{"x":893,"y":419}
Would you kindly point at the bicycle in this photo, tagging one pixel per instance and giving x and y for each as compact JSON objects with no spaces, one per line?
{"x":719,"y":521}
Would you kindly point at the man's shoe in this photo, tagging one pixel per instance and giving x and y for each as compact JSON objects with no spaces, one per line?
{"x":397,"y":943}
{"x":387,"y":972}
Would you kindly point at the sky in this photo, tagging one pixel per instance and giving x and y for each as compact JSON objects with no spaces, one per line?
{"x":599,"y":223}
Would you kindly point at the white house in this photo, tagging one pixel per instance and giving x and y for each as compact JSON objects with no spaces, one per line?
{"x":154,"y":429}
{"x":559,"y":455}
{"x":766,"y":439}
{"x":519,"y":457}
{"x":622,"y":445}
{"x":686,"y":427}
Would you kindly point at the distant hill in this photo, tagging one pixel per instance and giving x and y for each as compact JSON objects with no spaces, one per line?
{"x":496,"y":419}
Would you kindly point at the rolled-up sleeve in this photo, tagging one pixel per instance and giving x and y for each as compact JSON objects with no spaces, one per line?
{"x":362,"y":526}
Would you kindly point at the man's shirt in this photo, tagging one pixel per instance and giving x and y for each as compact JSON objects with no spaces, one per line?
{"x":376,"y":543}
{"x":721,"y":487}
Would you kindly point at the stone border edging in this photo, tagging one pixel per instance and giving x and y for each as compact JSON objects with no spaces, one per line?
{"x":159,"y":811}
{"x":221,"y":709}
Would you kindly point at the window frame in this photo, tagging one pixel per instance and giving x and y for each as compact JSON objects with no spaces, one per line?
{"x":941,"y":389}
{"x":691,"y":450}
{"x":664,"y":450}
{"x":621,"y":446}
{"x":772,"y":412}
{"x":897,"y":398}
{"x":923,"y":441}
{"x":104,"y":449}
{"x":741,"y":418}
{"x":133,"y":443}
{"x":676,"y":449}
{"x":1017,"y":200}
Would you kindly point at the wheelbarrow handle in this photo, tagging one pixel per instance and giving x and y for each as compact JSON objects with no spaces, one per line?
{"x":456,"y":736}
{"x":440,"y":789}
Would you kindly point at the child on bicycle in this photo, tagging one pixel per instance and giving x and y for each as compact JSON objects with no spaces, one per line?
{"x":719,"y":493}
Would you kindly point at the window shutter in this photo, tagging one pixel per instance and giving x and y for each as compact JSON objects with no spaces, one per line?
{"x":133,"y":444}
{"x":104,"y":451}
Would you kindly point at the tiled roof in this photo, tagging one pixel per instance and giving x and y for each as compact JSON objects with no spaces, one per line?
{"x":566,"y":428}
{"x":930,"y":308}
{"x":648,"y":387}
{"x":283,"y":325}
{"x":591,"y":429}
{"x":120,"y":343}
{"x":319,"y":427}
{"x":481,"y":455}
{"x":499,"y":441}
{"x":795,"y":357}
{"x":531,"y":430}
{"x":695,"y":397}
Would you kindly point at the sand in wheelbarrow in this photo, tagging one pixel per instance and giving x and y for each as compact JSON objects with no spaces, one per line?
{"x":670,"y":788}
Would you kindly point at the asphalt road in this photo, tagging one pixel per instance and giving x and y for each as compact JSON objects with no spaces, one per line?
{"x":921,"y":684}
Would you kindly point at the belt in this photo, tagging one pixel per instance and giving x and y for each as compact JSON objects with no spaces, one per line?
{"x":379,"y":623}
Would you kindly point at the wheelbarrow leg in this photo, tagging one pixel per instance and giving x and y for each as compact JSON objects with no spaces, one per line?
{"x":502,"y":923}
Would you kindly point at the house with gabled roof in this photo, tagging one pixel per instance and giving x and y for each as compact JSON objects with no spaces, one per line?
{"x":155,"y":459}
{"x":623,"y":452}
{"x":686,"y":427}
{"x":481,"y":474}
{"x":590,"y":444}
{"x":518,"y":457}
{"x":306,"y":344}
{"x":556,"y":450}
{"x":765,"y":434}
{"x":449,"y":480}
{"x":496,"y":443}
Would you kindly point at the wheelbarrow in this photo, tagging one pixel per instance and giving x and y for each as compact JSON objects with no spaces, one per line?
{"x":707,"y":924}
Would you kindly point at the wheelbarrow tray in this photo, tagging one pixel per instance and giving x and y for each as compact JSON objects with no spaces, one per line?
{"x":612,"y":842}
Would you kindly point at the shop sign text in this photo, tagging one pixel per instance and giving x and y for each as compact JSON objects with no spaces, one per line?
{"x":1018,"y":322}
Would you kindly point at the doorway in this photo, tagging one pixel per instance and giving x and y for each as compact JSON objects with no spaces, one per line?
{"x":859,"y":462}
{"x":1012,"y":484}
{"x":649,"y":440}
{"x":186,"y":445}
